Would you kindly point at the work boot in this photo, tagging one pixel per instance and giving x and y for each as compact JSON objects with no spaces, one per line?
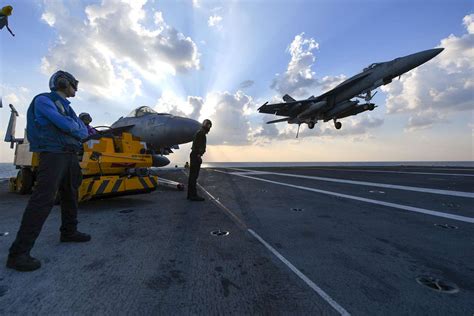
{"x":75,"y":237}
{"x":196,"y":198}
{"x":23,"y":263}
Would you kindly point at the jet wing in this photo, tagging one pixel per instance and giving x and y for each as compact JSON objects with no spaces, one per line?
{"x":285,"y":108}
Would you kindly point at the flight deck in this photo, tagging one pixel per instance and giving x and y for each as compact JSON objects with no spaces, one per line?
{"x":287,"y":240}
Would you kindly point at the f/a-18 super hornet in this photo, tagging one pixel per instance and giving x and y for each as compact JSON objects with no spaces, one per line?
{"x":162,"y":132}
{"x":338,"y":102}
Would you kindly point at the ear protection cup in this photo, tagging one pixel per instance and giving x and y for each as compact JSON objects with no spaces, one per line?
{"x":62,"y":83}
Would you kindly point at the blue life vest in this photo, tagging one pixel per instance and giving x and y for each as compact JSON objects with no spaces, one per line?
{"x":49,"y":138}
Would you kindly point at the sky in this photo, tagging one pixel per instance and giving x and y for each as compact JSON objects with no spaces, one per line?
{"x":223,"y":59}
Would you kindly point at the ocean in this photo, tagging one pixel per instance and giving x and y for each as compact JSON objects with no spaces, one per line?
{"x":8,"y":170}
{"x":341,"y":164}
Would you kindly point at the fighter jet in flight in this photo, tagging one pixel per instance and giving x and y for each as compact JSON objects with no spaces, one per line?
{"x":338,"y":102}
{"x":162,"y":132}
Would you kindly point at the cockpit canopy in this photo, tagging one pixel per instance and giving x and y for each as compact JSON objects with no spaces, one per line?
{"x":142,"y":111}
{"x":371,"y":66}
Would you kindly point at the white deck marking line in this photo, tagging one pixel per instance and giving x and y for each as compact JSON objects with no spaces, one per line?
{"x":464,"y":169}
{"x":352,"y":197}
{"x":222,"y":206}
{"x":303,"y":277}
{"x":295,"y":270}
{"x":404,"y":172}
{"x":372,"y":184}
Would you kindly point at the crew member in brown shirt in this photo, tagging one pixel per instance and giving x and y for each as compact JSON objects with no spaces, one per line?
{"x":197,"y":151}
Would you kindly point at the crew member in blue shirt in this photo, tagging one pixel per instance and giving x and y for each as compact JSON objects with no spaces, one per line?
{"x":55,"y":132}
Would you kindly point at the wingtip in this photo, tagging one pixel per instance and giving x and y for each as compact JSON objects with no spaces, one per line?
{"x":262,"y":106}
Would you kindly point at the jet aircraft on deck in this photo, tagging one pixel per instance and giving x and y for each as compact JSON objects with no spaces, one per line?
{"x":162,"y":132}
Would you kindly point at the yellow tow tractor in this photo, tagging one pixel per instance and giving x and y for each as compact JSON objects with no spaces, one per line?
{"x":112,"y":164}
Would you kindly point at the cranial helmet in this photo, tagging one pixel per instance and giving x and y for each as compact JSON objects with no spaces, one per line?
{"x":7,"y":10}
{"x":207,"y":122}
{"x":85,"y":117}
{"x":60,"y":80}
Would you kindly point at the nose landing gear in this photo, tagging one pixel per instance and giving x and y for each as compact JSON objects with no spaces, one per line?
{"x":337,"y":125}
{"x":311,"y":125}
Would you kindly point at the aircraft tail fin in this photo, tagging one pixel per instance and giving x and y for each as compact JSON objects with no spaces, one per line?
{"x":288,"y":98}
{"x":285,"y":119}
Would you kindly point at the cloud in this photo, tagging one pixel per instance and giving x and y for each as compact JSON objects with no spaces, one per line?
{"x":115,"y":45}
{"x":298,"y":76}
{"x":227,"y":111}
{"x":215,"y":21}
{"x":329,"y":82}
{"x":171,"y":103}
{"x":19,"y":96}
{"x":443,"y":86}
{"x":423,"y":120}
{"x":299,"y":79}
{"x":230,"y":124}
{"x":246,"y":84}
{"x":468,"y":21}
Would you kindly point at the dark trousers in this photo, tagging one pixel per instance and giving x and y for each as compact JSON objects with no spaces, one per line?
{"x":194,"y":168}
{"x":56,"y":172}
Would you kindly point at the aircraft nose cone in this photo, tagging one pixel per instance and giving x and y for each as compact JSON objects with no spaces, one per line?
{"x":424,"y":56}
{"x":412,"y":61}
{"x":431,"y":53}
{"x":182,"y":130}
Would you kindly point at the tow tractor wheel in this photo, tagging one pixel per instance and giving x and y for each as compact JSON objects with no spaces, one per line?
{"x":338,"y":125}
{"x":24,"y":181}
{"x":311,"y":125}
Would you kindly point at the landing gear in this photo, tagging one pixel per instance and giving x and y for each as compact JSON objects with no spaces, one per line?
{"x":24,"y":181}
{"x":311,"y":125}
{"x":337,"y":125}
{"x":368,"y":96}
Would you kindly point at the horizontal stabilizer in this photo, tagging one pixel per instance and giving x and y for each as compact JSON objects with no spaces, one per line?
{"x":279,"y":120}
{"x":287,"y":98}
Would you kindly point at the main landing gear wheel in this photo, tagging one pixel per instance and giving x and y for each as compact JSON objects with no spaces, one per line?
{"x":311,"y":125}
{"x":338,"y":125}
{"x":24,"y":181}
